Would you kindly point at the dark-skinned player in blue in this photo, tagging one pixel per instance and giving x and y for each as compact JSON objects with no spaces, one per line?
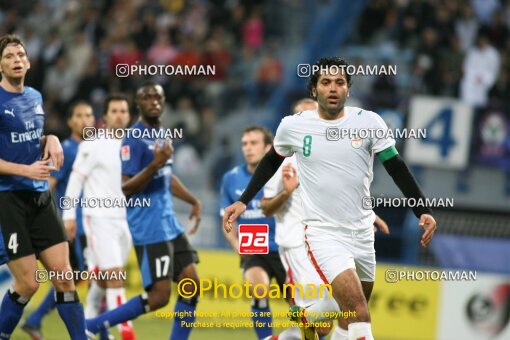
{"x":163,"y":251}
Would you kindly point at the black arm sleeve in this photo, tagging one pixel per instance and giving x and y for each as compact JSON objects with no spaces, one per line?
{"x":265,"y":170}
{"x":398,"y":170}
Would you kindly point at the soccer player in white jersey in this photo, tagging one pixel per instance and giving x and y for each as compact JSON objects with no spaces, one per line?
{"x":97,"y":170}
{"x":282,"y":199}
{"x":335,"y":175}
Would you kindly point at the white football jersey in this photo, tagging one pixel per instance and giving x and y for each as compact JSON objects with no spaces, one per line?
{"x":289,"y":218}
{"x":97,"y":170}
{"x":335,"y":171}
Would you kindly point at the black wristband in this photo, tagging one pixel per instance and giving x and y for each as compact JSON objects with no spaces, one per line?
{"x":267,"y":167}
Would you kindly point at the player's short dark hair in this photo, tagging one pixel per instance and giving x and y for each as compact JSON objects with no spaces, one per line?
{"x":10,"y":39}
{"x":268,"y":135}
{"x":147,"y":83}
{"x":74,"y":105}
{"x":113,"y":98}
{"x":322,"y":64}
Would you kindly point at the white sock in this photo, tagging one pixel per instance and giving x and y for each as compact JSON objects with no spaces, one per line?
{"x":114,"y":298}
{"x":292,"y":333}
{"x":340,"y":334}
{"x":360,"y":330}
{"x":95,"y":296}
{"x":323,"y":309}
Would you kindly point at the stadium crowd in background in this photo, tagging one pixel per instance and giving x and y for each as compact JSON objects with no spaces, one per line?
{"x":456,"y":46}
{"x":74,"y":47}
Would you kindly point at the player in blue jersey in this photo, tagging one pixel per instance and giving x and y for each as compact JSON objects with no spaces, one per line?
{"x":29,"y":223}
{"x":258,"y":269}
{"x":80,"y":116}
{"x":163,"y":251}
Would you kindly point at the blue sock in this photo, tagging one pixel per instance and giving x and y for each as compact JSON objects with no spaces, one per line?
{"x":104,"y":334}
{"x":70,"y":310}
{"x":125,"y":312}
{"x":46,"y":306}
{"x":263,"y":331}
{"x":187,"y":309}
{"x":11,"y":310}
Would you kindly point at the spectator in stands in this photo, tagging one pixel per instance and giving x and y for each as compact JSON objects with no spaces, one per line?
{"x":506,"y":10}
{"x":32,"y":43}
{"x":53,"y":48}
{"x":373,"y":18}
{"x":450,"y":65}
{"x":239,"y":82}
{"x":426,"y":65}
{"x":188,"y":55}
{"x":184,"y":116}
{"x":90,"y":82}
{"x":407,"y":37}
{"x":124,"y":53}
{"x":162,"y":51}
{"x":194,"y":20}
{"x":269,"y":76}
{"x":61,"y":82}
{"x":253,"y":30}
{"x":223,"y":159}
{"x":466,"y":27}
{"x":485,"y":9}
{"x":444,"y":26}
{"x":218,"y":56}
{"x":498,"y":32}
{"x":145,"y":32}
{"x":481,"y":68}
{"x":81,"y":53}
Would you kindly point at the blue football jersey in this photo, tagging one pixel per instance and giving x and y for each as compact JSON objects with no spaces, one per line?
{"x":156,"y":223}
{"x":70,"y":147}
{"x":232,"y":187}
{"x":21,"y":128}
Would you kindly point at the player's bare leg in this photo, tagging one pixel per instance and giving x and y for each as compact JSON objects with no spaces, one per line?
{"x":348,"y":293}
{"x":23,"y":270}
{"x":257,"y":276}
{"x":159,"y":294}
{"x":189,"y":272}
{"x":341,"y":332}
{"x":56,"y":258}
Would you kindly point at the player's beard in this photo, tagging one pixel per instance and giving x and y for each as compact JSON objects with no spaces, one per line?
{"x":332,"y":111}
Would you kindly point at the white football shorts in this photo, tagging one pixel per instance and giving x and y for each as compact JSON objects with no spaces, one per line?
{"x":333,"y":250}
{"x":300,"y":270}
{"x":109,"y":241}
